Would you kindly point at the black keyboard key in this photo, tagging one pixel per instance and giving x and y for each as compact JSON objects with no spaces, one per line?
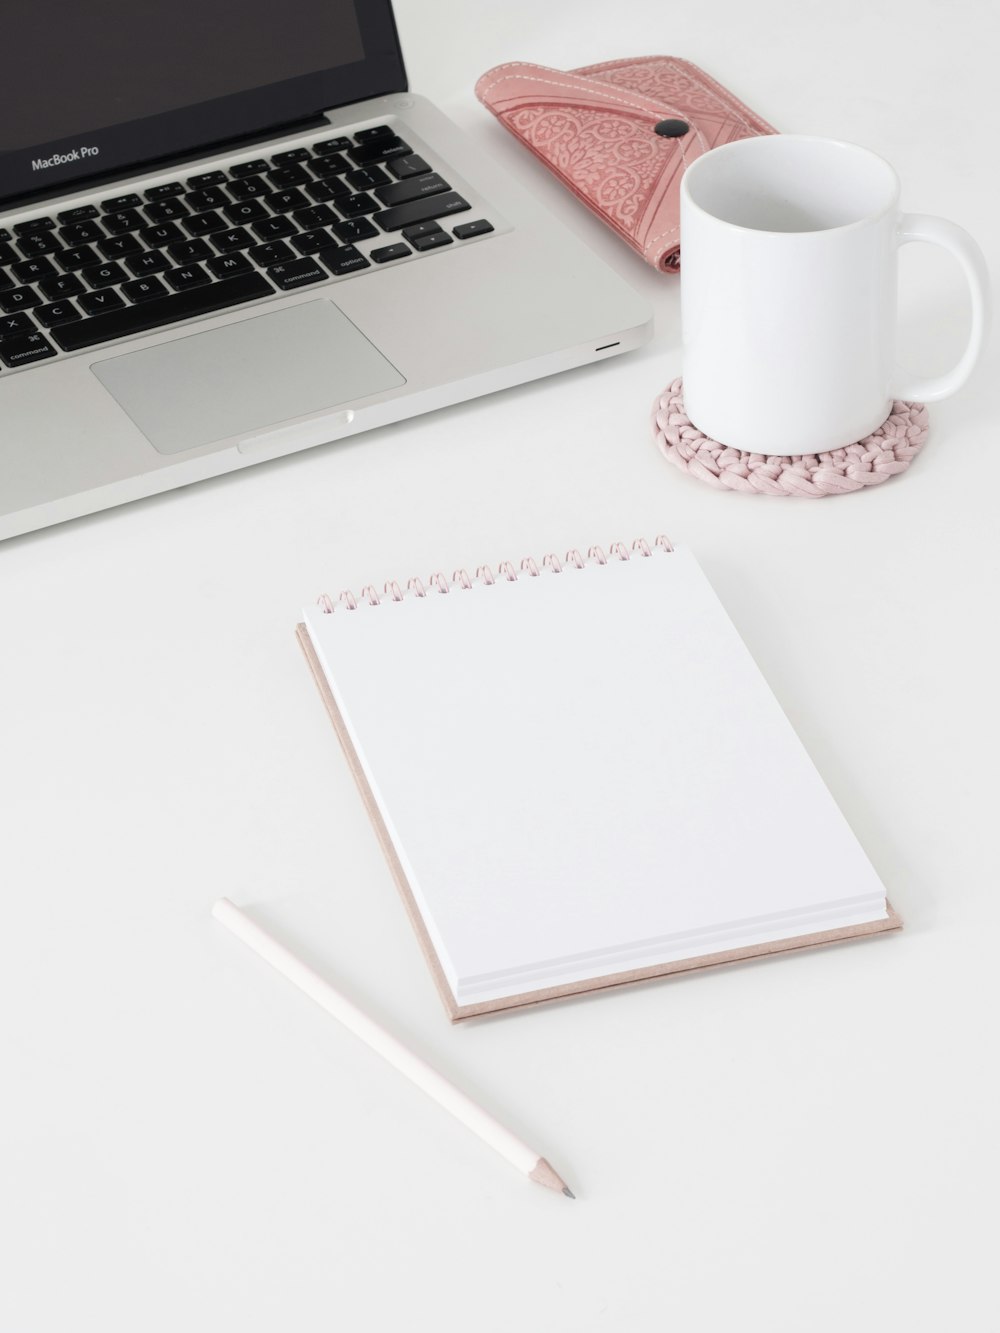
{"x":289,"y":156}
{"x":169,"y":190}
{"x":367,"y":178}
{"x":188,"y":252}
{"x":37,"y":243}
{"x":151,"y":261}
{"x":296,"y":273}
{"x":166,"y":210}
{"x":4,"y":234}
{"x":22,"y":351}
{"x":285,"y":201}
{"x":236,"y":238}
{"x":153,"y":314}
{"x":6,"y":281}
{"x":311,"y":242}
{"x":324,"y":191}
{"x":325,"y":146}
{"x":203,"y":224}
{"x":356,"y":205}
{"x":421,"y":229}
{"x":356,"y":229}
{"x":342,"y":259}
{"x":58,"y":288}
{"x":98,"y":303}
{"x":121,"y":203}
{"x":33,"y":270}
{"x":144,"y":289}
{"x":206,"y":179}
{"x":125,"y":220}
{"x":417,"y":187}
{"x":374,"y":132}
{"x":434,"y":241}
{"x":60,"y":312}
{"x":469,"y":229}
{"x":319,"y":215}
{"x":421,"y":210}
{"x":272,"y":229}
{"x":378,"y":150}
{"x":201,"y":201}
{"x":275,"y":252}
{"x":189,"y":275}
{"x":167,"y":233}
{"x":12,"y":326}
{"x":78,"y":256}
{"x":387,"y":253}
{"x":81,"y":233}
{"x":249,"y":188}
{"x":227,"y":266}
{"x":8,"y":255}
{"x":246,"y":212}
{"x":79,"y":214}
{"x":284,"y":177}
{"x":324,"y":167}
{"x":104,"y":275}
{"x":243,"y":169}
{"x":19,"y":298}
{"x":405,"y":167}
{"x":32,"y":225}
{"x":117,"y":247}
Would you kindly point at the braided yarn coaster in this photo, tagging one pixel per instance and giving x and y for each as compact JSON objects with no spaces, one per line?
{"x":887,"y":451}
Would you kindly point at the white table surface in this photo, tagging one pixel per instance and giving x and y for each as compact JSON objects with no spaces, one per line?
{"x":809,"y":1143}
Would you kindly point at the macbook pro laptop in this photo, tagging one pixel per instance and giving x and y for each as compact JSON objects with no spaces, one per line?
{"x":228,"y":232}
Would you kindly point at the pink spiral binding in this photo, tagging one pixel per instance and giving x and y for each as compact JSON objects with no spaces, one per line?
{"x":485,"y":576}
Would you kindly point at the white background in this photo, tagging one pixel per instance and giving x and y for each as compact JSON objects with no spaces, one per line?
{"x":809,"y":1143}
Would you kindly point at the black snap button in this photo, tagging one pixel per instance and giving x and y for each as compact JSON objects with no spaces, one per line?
{"x":672,"y":129}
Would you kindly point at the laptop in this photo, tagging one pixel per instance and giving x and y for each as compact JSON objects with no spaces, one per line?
{"x":229,"y":233}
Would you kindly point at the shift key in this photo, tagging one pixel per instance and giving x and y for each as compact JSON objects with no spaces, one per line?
{"x":421,"y":210}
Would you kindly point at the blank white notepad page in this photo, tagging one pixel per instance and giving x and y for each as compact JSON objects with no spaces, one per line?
{"x":585,"y":772}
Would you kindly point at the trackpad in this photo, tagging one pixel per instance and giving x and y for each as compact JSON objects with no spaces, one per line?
{"x":254,"y":373}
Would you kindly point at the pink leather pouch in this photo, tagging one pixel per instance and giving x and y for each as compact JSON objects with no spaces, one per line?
{"x":595,"y":128}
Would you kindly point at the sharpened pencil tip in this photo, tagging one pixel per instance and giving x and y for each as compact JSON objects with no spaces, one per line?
{"x":568,"y":1192}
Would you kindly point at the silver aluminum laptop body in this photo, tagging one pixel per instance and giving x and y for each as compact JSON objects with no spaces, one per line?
{"x":98,"y":427}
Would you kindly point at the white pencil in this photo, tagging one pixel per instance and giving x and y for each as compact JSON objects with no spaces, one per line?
{"x":390,"y":1048}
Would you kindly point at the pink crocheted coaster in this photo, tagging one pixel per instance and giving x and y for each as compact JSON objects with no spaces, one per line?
{"x":887,"y":451}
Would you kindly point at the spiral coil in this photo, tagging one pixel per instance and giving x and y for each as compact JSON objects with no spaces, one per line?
{"x":462,"y":580}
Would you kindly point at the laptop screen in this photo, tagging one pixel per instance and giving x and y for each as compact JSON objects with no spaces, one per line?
{"x":93,"y":88}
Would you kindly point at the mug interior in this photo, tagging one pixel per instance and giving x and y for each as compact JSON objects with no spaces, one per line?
{"x":787,"y":184}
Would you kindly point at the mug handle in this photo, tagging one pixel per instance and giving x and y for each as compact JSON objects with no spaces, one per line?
{"x":951,"y":237}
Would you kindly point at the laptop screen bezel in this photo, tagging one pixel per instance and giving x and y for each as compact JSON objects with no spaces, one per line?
{"x":122,"y":149}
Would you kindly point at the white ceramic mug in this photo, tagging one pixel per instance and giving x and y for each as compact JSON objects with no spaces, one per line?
{"x":788,"y":294}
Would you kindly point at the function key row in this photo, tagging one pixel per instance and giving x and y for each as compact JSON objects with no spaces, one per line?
{"x":324,"y":159}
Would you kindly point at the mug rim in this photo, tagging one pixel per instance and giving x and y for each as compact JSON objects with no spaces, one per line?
{"x":742,"y":145}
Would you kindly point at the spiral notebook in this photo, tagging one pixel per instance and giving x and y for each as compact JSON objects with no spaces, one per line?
{"x":580,"y":777}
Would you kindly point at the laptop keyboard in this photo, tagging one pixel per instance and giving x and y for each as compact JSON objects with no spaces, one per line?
{"x":135,"y":262}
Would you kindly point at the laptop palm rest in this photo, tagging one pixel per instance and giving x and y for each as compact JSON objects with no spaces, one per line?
{"x":252,"y":373}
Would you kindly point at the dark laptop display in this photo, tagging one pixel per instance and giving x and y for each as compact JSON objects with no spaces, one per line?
{"x":132,"y":81}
